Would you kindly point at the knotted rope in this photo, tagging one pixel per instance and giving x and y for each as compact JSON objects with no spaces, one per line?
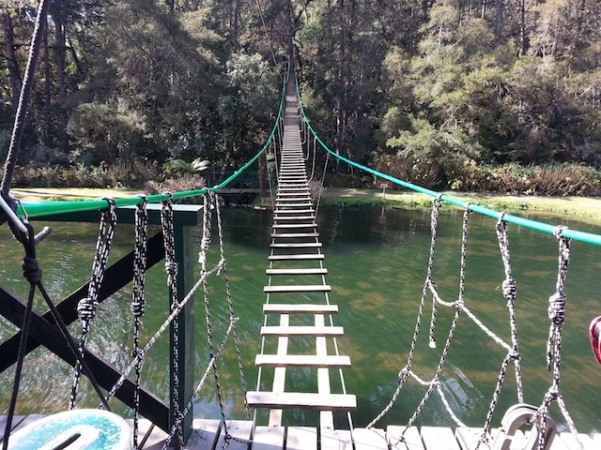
{"x":87,"y":307}
{"x":138,"y":305}
{"x":172,"y":269}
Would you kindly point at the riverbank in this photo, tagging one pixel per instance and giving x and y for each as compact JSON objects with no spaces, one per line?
{"x":586,"y":209}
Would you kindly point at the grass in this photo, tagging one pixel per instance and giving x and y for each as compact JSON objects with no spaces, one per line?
{"x":585,"y":209}
{"x":46,"y":194}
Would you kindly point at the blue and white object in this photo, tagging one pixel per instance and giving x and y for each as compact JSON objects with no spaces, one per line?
{"x":80,"y":429}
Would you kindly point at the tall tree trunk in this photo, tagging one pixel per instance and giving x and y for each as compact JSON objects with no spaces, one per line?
{"x":60,"y":43}
{"x":343,"y":76}
{"x":523,"y":27}
{"x":235,"y":30}
{"x":290,"y":31}
{"x":499,"y":20}
{"x":14,"y":73}
{"x":47,"y":91}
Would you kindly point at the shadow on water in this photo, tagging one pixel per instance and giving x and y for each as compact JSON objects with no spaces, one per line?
{"x":377,"y":264}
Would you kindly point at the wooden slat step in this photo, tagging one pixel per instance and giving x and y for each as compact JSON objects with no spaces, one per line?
{"x":304,"y":193}
{"x":294,"y":211}
{"x":285,"y":400}
{"x":302,"y":361}
{"x":302,"y":331}
{"x":297,"y":288}
{"x":297,"y":245}
{"x":294,"y":205}
{"x":302,"y":257}
{"x":294,"y":235}
{"x":291,"y":198}
{"x":296,"y":272}
{"x":306,"y":217}
{"x":297,"y":201}
{"x":295,"y":225}
{"x":274,"y":308}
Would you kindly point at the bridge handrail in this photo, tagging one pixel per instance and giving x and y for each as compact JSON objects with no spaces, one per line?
{"x":590,"y":238}
{"x":40,"y":209}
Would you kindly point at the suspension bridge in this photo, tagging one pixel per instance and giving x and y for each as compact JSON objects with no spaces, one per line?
{"x":298,"y":333}
{"x":296,"y":271}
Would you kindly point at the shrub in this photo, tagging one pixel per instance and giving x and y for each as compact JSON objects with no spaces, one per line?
{"x":553,"y":179}
{"x":186,"y":182}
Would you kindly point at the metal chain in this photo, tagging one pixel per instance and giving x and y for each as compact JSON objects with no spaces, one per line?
{"x":230,"y":303}
{"x":87,"y":307}
{"x":172,"y":270}
{"x":138,"y":304}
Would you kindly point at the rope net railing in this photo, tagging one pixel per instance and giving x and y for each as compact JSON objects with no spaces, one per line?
{"x":213,"y":265}
{"x":432,"y":302}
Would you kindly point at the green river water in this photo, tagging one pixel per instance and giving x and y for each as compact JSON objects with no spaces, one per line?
{"x":377,"y":264}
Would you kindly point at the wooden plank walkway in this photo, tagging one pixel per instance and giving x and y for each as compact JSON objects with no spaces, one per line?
{"x":297,"y":283}
{"x":209,"y":434}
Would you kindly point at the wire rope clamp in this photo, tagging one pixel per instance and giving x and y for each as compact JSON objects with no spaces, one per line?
{"x":594,"y":333}
{"x":516,"y":417}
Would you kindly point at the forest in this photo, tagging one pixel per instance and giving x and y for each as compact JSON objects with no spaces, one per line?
{"x":480,"y":95}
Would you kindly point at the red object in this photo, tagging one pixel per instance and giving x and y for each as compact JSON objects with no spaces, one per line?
{"x":593,"y":332}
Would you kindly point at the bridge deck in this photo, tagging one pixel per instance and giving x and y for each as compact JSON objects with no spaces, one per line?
{"x":297,"y":287}
{"x":209,"y":434}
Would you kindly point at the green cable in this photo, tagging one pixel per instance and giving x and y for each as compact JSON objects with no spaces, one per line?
{"x":39,"y":209}
{"x":590,"y":238}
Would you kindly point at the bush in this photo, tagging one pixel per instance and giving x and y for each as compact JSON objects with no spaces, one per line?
{"x":553,"y":179}
{"x":186,"y":182}
{"x":408,"y":169}
{"x":133,"y":175}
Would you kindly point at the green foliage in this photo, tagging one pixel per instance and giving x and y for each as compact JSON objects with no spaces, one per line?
{"x":437,"y":91}
{"x":552,"y":180}
{"x":181,"y":166}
